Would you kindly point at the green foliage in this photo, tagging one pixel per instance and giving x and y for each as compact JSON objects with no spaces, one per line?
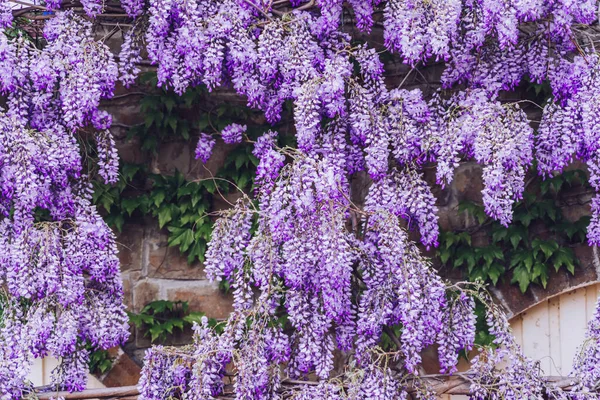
{"x":389,"y":338}
{"x":162,"y":318}
{"x":165,"y":115}
{"x":517,"y":251}
{"x":180,"y":206}
{"x":100,"y":361}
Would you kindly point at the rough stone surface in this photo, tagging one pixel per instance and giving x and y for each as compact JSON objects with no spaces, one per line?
{"x":167,"y":262}
{"x":124,"y":372}
{"x":129,"y":244}
{"x":144,"y":292}
{"x":204,"y":298}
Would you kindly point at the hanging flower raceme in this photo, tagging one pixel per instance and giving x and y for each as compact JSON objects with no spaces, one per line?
{"x":340,"y":265}
{"x":59,"y":264}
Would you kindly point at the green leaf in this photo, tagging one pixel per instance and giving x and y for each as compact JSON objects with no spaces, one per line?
{"x":557,"y":183}
{"x":169,"y":103}
{"x":564,"y":257}
{"x":178,"y":323}
{"x":164,"y":216}
{"x":525,"y":217}
{"x":245,"y":178}
{"x":194,"y":317}
{"x":187,"y":218}
{"x":546,"y":208}
{"x":184,"y":130}
{"x":130,"y":204}
{"x":140,"y":319}
{"x":465,"y":237}
{"x":449,"y":239}
{"x":148,"y":121}
{"x":197,"y":251}
{"x":156,"y":332}
{"x":546,"y":246}
{"x":495,"y":272}
{"x":115,"y":220}
{"x":203,"y":122}
{"x":209,"y":184}
{"x":172,"y":123}
{"x":107,"y":200}
{"x":186,"y":190}
{"x":499,"y":234}
{"x":240,"y":160}
{"x":158,"y":306}
{"x":517,"y":258}
{"x":255,"y":161}
{"x":521,"y":276}
{"x":540,"y":273}
{"x":128,"y":171}
{"x":182,"y":238}
{"x":187,"y":240}
{"x":158,"y":196}
{"x":528,"y":262}
{"x":445,"y":255}
{"x":515,"y":240}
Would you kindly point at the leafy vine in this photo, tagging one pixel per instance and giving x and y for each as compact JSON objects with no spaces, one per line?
{"x":539,"y":238}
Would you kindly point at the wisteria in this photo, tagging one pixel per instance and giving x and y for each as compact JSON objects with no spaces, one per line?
{"x":59,"y":259}
{"x":233,"y":133}
{"x":320,"y":272}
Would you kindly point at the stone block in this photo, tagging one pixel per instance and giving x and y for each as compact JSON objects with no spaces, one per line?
{"x":124,"y":372}
{"x":167,"y":262}
{"x":173,"y":156}
{"x":130,"y":150}
{"x":203,"y":297}
{"x":468,"y":183}
{"x":129,"y":244}
{"x":143,"y":293}
{"x":127,"y":291}
{"x":573,"y":212}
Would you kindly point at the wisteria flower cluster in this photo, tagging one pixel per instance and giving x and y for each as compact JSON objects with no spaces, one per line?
{"x":343,"y":267}
{"x":344,"y":273}
{"x":59,"y":259}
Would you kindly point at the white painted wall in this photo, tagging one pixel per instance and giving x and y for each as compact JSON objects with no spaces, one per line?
{"x":42,"y":368}
{"x":551,"y":331}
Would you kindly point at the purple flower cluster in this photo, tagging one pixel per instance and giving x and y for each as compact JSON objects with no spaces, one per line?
{"x":129,"y":58}
{"x":204,"y":147}
{"x":233,"y":133}
{"x":60,"y":272}
{"x":343,"y":272}
{"x":343,"y":268}
{"x":504,"y":372}
{"x":458,"y":331}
